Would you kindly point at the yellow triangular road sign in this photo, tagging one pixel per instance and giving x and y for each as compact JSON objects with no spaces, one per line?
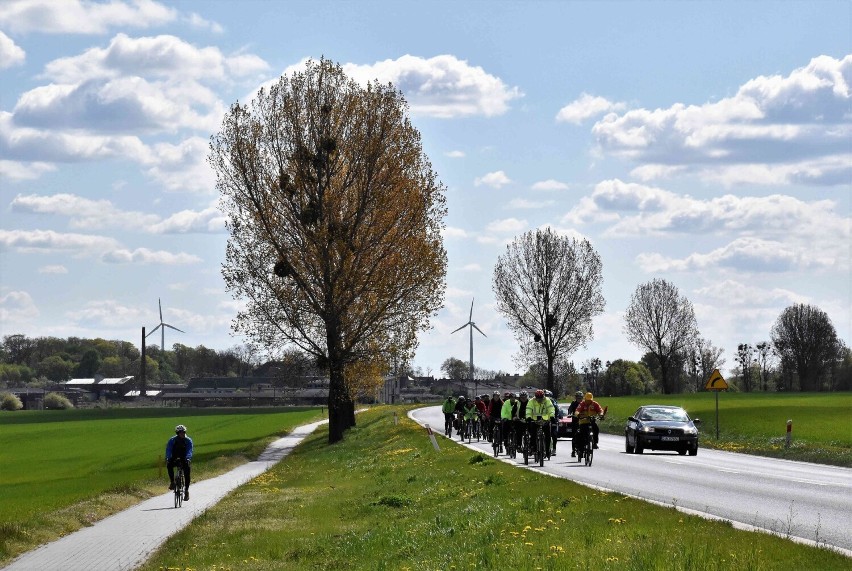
{"x":716,"y":382}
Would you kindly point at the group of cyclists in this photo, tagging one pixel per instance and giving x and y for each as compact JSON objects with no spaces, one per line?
{"x":485,"y":416}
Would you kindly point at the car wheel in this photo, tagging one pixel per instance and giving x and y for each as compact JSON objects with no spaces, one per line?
{"x":639,"y":448}
{"x":694,"y":450}
{"x":681,"y":451}
{"x":627,"y":447}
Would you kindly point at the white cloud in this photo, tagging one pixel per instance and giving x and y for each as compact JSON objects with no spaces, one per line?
{"x":110,"y":313}
{"x":452,"y":232}
{"x":182,"y":167}
{"x":506,"y":225}
{"x":49,"y":241}
{"x":585,"y":107}
{"x":83,"y":212}
{"x":16,"y":307}
{"x":55,"y":269}
{"x":442,"y":86}
{"x":10,"y":53}
{"x":209,"y":220}
{"x":146,"y":256}
{"x":524,"y":204}
{"x":775,"y":130}
{"x":733,"y":292}
{"x":14,"y":170}
{"x":455,"y":154}
{"x":471,"y":268}
{"x":197,"y":21}
{"x":81,"y":16}
{"x":549,"y":184}
{"x":495,"y":179}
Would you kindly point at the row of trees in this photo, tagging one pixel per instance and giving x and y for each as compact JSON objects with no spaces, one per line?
{"x":39,"y":360}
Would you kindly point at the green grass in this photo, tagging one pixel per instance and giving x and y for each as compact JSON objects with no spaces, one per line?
{"x":384,"y":499}
{"x":756,"y":423}
{"x":62,"y":470}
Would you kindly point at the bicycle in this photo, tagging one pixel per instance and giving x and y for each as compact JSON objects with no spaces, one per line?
{"x":525,"y":445}
{"x":496,"y":441}
{"x":586,"y":449}
{"x":448,"y":425}
{"x":179,"y":484}
{"x":511,"y":449}
{"x":542,"y":446}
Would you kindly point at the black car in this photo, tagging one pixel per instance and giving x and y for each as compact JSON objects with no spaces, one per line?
{"x":661,"y":427}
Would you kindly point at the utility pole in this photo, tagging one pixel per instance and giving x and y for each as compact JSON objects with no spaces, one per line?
{"x":142,"y":381}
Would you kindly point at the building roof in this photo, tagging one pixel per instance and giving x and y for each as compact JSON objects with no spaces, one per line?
{"x":99,"y":382}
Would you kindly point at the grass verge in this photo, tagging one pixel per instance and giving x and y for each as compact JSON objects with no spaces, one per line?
{"x":385,"y":499}
{"x":63,"y":470}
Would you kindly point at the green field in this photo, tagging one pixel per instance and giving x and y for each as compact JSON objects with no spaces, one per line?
{"x":64,"y":469}
{"x":756,"y":423}
{"x":385,"y":499}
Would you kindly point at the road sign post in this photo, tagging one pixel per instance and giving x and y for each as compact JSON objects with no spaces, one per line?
{"x":432,"y":438}
{"x":716,"y":383}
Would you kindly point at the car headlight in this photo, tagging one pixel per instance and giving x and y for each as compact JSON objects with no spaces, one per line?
{"x":690,"y":430}
{"x":647,"y":429}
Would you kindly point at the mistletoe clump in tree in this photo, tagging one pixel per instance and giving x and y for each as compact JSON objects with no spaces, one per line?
{"x":549,"y":288}
{"x":334,"y":221}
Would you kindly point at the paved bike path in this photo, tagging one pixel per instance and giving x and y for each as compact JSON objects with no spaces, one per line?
{"x":125,"y":540}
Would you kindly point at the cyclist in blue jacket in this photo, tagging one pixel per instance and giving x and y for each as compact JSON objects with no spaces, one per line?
{"x":179,"y":451}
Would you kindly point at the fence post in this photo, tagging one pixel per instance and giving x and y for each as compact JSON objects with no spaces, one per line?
{"x":432,"y":438}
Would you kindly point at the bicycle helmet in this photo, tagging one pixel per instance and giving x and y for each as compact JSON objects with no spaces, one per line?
{"x":524,"y":395}
{"x":507,"y":394}
{"x":496,"y":394}
{"x":579,"y":394}
{"x":180,"y":428}
{"x":589,"y":396}
{"x":461,"y":397}
{"x":548,"y":394}
{"x":539,"y":394}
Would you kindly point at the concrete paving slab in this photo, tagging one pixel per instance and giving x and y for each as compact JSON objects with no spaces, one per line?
{"x":125,"y":540}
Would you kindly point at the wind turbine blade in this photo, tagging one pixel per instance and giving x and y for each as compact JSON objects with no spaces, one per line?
{"x":181,"y":330}
{"x":478,"y":329}
{"x":160,"y":303}
{"x":460,"y":328}
{"x":152,"y":331}
{"x":471,"y":311}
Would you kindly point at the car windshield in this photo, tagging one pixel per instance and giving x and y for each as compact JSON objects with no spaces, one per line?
{"x":665,"y":414}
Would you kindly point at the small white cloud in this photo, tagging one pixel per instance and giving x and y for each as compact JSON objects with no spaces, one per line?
{"x":196,"y":21}
{"x":209,"y":220}
{"x":16,"y":307}
{"x":524,"y":204}
{"x":471,"y":268}
{"x":57,"y":269}
{"x":451,"y":232}
{"x":14,"y":170}
{"x":49,"y":241}
{"x":549,"y":184}
{"x":146,"y":256}
{"x":83,"y":212}
{"x":585,"y":107}
{"x":455,"y":154}
{"x":495,"y":179}
{"x":506,"y":225}
{"x":10,"y":53}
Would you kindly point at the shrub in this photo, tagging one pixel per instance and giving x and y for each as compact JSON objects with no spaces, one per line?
{"x":57,"y":401}
{"x":8,"y":401}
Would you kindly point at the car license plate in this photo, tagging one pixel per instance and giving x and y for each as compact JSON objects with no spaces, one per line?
{"x":670,"y":439}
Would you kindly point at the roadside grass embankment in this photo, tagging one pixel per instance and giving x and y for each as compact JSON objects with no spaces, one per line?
{"x":63,"y":470}
{"x":385,"y":499}
{"x":755,"y":423}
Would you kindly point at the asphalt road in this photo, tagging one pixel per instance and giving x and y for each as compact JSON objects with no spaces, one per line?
{"x":810,"y":503}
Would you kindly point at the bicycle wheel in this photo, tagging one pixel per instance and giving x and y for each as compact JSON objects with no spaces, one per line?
{"x":179,"y":487}
{"x":525,"y":444}
{"x":590,"y":452}
{"x":541,"y":448}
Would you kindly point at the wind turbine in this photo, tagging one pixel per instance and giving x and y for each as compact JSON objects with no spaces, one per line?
{"x":472,"y":327}
{"x":162,"y":327}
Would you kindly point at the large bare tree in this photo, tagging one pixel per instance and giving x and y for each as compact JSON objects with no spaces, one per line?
{"x":549,"y":288}
{"x":807,"y":342}
{"x":335,"y":219}
{"x":661,"y":321}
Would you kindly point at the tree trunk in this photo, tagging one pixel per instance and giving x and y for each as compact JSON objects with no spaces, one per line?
{"x":336,"y":404}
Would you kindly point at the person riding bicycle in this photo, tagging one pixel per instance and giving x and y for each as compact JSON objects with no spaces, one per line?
{"x":540,"y":406}
{"x":480,"y":406}
{"x":553,"y":421}
{"x":448,"y":408}
{"x":523,"y":400}
{"x":495,"y":408}
{"x":470,"y":413}
{"x":509,"y":415}
{"x":575,"y":437}
{"x":585,"y":411}
{"x":179,"y":451}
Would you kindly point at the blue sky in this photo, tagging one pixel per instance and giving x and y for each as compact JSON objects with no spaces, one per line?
{"x":706,"y":143}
